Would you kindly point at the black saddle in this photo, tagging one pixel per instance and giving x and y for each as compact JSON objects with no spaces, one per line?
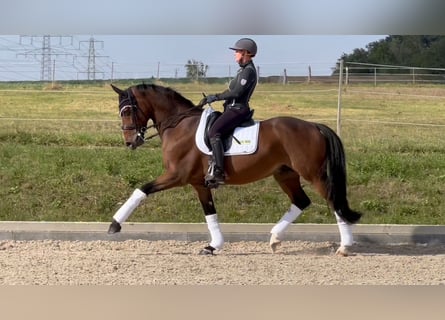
{"x":227,"y":140}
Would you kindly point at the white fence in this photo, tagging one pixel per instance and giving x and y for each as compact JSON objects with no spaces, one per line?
{"x":378,"y":73}
{"x":279,"y":72}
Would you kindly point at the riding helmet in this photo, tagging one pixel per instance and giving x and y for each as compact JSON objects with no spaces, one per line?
{"x":246,"y":44}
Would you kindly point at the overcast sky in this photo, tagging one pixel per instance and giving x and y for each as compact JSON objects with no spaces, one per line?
{"x":144,"y":56}
{"x":213,"y":49}
{"x":141,"y":35}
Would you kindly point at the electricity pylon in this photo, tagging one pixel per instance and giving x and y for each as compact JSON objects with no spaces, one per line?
{"x":45,"y":54}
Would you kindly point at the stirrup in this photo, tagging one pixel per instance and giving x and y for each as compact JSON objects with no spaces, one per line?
{"x":213,"y":183}
{"x":211,"y":180}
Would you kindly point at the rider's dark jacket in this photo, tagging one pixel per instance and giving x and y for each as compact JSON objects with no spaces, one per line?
{"x":241,"y":87}
{"x":236,"y":105}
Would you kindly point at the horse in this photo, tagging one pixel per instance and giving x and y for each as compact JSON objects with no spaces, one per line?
{"x":288,"y":149}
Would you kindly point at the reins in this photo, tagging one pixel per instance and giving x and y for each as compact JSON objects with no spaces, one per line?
{"x":154,"y":134}
{"x":171,"y":121}
{"x":175,"y":119}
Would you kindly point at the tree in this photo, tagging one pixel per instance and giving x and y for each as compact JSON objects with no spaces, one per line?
{"x":415,"y":51}
{"x":196,"y":69}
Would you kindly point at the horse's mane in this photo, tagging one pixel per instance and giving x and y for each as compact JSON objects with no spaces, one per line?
{"x":168,"y":92}
{"x":175,"y":98}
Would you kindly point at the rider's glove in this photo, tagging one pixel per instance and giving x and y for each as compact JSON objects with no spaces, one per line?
{"x":211,"y":98}
{"x":207,"y":99}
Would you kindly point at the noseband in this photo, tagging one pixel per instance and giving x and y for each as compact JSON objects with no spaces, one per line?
{"x":129,"y":102}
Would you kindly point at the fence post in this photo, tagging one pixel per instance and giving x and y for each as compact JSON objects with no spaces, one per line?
{"x":340,"y":81}
{"x":375,"y":77}
{"x":309,"y":75}
{"x":258,"y":73}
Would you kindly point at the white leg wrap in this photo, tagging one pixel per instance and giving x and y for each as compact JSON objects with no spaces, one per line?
{"x":345,"y":229}
{"x":287,"y":219}
{"x":215,"y":232}
{"x":128,"y":207}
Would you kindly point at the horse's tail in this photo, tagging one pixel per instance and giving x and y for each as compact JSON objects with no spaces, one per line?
{"x":336,"y":175}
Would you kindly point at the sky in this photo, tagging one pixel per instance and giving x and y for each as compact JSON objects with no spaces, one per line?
{"x":275,"y":52}
{"x":145,"y":56}
{"x":144,"y":38}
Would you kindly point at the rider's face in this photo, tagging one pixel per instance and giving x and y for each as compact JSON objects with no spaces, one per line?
{"x":239,"y":55}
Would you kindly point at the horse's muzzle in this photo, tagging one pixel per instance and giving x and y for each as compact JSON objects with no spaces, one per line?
{"x":136,"y":143}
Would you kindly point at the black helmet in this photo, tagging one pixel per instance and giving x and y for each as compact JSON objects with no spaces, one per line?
{"x":246,"y":44}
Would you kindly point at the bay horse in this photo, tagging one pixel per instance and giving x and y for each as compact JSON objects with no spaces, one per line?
{"x":289,"y":148}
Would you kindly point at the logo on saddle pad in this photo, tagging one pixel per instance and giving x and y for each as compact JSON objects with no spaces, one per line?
{"x":243,"y":141}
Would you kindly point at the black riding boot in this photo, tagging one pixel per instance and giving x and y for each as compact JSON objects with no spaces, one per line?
{"x":215,"y":175}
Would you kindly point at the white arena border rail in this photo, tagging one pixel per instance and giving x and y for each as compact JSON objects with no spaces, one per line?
{"x":233,"y":232}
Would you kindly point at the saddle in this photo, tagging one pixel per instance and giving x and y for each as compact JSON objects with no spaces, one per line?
{"x":227,"y":139}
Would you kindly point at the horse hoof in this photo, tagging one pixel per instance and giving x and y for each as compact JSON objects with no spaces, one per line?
{"x":207,"y":251}
{"x":343,"y":251}
{"x":115,"y":227}
{"x":274,"y":242}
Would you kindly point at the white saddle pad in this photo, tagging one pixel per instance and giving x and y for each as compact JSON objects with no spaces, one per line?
{"x":247,"y":137}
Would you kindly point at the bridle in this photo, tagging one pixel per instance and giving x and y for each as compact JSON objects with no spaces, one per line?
{"x":129,"y":102}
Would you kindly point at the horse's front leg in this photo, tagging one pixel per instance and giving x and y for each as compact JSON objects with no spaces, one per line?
{"x":163,"y":182}
{"x":216,"y":237}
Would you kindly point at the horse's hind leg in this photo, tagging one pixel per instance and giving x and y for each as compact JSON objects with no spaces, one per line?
{"x":289,"y":182}
{"x":345,"y":229}
{"x":346,"y":238}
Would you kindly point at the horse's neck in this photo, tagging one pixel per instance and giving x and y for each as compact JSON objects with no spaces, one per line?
{"x":174,"y":116}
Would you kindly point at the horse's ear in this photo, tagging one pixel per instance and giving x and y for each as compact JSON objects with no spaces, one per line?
{"x":116,"y":89}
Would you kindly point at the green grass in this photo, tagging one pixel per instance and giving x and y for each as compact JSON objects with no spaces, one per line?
{"x":62,"y":156}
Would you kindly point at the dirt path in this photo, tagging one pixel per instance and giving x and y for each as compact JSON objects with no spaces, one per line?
{"x":244,"y":263}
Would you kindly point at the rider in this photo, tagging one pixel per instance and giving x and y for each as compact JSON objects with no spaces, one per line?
{"x":236,"y":106}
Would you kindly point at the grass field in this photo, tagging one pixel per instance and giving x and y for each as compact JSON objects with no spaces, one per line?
{"x":62,"y":156}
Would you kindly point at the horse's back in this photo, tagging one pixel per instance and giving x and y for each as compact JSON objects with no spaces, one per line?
{"x":298,"y":141}
{"x":289,"y":127}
